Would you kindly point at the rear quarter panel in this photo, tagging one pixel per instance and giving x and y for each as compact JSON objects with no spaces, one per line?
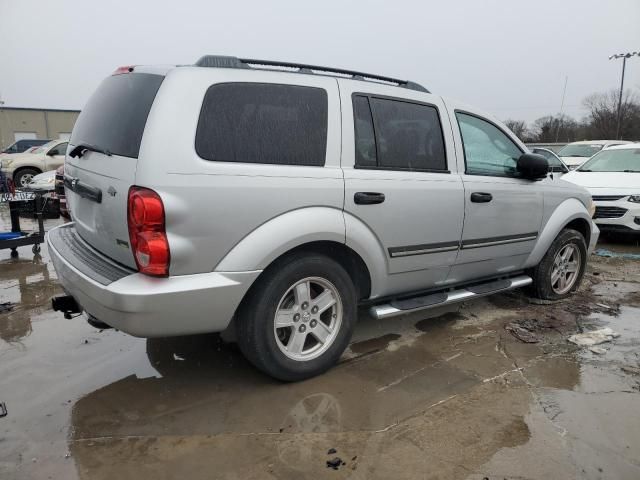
{"x":212,"y":206}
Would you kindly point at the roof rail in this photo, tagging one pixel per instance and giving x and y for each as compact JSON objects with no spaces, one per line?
{"x":220,"y":61}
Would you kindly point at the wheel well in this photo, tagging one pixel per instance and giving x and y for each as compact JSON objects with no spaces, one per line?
{"x":582,"y":226}
{"x":18,"y":170}
{"x":345,"y":256}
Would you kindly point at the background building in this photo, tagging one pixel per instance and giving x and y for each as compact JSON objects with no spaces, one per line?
{"x":21,"y":123}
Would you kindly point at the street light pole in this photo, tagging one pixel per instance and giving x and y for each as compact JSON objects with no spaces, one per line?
{"x":624,"y":57}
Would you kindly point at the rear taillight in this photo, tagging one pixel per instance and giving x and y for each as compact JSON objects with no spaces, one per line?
{"x":147,"y":232}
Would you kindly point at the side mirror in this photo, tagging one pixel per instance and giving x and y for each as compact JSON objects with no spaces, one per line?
{"x":532,"y":166}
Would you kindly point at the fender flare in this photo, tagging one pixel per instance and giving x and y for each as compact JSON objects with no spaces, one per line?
{"x":569,"y":210}
{"x":280,"y":234}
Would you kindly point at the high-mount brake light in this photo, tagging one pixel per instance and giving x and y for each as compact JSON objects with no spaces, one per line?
{"x":147,"y":233}
{"x":123,"y":69}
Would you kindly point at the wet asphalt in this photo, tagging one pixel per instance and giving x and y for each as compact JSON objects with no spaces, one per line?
{"x":449,"y":395}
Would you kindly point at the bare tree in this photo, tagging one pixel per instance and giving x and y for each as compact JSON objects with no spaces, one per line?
{"x":519,"y":127}
{"x":561,"y":128}
{"x":603,"y":115}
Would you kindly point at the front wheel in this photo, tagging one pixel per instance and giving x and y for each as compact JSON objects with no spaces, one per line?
{"x":560,"y":271}
{"x":23,"y":177}
{"x":298,"y":318}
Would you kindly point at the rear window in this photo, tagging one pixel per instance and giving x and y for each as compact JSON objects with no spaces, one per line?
{"x":263,"y":123}
{"x":115,"y":116}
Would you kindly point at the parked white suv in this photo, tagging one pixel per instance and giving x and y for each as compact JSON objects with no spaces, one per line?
{"x":228,"y":194}
{"x":576,"y":153}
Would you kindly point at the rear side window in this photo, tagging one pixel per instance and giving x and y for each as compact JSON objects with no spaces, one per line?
{"x":115,"y":116}
{"x":408,"y":136}
{"x":263,"y":123}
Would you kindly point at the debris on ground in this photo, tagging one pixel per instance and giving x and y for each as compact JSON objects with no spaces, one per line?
{"x":598,"y":350}
{"x":603,"y":252}
{"x":332,"y":451}
{"x":631,"y":370}
{"x":3,"y":410}
{"x":594,"y":337}
{"x":6,"y":307}
{"x":335,"y":463}
{"x":526,"y":330}
{"x":521,"y":333}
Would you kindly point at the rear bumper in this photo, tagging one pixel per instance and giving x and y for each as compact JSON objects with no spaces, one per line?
{"x":153,"y":307}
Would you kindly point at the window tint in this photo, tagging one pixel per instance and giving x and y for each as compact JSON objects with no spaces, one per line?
{"x":263,"y":123}
{"x":365,"y":137}
{"x":487,"y":150}
{"x":116,"y":114}
{"x":408,"y":135}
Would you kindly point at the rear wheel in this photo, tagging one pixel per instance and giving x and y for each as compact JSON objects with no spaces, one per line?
{"x":560,"y":271}
{"x":23,"y":177}
{"x":298,"y":318}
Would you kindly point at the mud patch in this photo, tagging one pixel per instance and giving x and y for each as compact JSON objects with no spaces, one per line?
{"x":430,"y":324}
{"x":374,"y":344}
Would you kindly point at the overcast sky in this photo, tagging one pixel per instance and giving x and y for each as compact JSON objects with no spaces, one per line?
{"x":508,"y":57}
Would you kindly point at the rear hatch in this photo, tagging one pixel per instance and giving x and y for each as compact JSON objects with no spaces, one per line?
{"x":96,"y":183}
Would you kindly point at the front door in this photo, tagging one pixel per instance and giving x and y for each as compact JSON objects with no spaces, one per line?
{"x":399,"y":186}
{"x":503,"y":213}
{"x":55,"y":156}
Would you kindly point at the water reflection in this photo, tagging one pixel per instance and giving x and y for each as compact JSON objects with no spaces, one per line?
{"x":27,"y":284}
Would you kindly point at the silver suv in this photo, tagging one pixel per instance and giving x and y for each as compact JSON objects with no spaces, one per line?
{"x":274,"y":199}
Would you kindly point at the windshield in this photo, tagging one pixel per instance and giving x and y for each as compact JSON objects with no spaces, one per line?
{"x":625,"y":160}
{"x":581,"y":150}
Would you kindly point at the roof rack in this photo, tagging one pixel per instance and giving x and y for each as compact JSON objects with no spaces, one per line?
{"x":220,"y":61}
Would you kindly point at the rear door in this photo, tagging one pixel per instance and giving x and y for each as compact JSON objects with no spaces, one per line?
{"x":97,"y":184}
{"x":503,"y":213}
{"x":397,"y":160}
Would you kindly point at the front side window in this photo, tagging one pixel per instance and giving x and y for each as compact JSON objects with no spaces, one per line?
{"x":61,"y":149}
{"x":487,"y":149}
{"x":263,"y":123}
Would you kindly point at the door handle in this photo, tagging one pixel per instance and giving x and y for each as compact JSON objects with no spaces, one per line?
{"x":368,"y":198}
{"x":481,"y":197}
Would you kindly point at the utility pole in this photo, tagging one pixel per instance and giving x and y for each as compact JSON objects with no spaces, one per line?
{"x":564,"y":92}
{"x":624,"y":57}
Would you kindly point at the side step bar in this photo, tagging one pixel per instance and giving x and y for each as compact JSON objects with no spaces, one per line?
{"x":432,"y":300}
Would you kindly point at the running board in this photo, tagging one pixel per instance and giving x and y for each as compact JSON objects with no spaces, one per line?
{"x":415,"y":304}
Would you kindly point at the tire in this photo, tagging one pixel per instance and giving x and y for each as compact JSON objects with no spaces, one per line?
{"x":24,"y":175}
{"x":281,"y":288}
{"x":567,"y":241}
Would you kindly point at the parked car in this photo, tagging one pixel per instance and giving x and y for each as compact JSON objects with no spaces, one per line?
{"x":612,"y":176}
{"x":576,"y":153}
{"x":43,"y":182}
{"x":23,"y":167}
{"x":556,"y":165}
{"x":297,"y":197}
{"x":22,"y":146}
{"x":59,"y":189}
